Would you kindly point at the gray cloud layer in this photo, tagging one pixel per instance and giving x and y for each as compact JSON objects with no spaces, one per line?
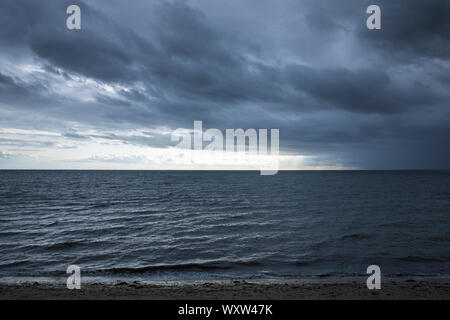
{"x":370,"y":99}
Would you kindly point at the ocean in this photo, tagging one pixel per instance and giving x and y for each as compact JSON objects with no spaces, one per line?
{"x":186,"y":225}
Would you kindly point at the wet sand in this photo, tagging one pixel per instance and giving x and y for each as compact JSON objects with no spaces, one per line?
{"x":230,"y":290}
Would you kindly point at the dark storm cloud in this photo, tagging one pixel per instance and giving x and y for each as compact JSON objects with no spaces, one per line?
{"x":413,"y":29}
{"x":17,"y":18}
{"x":187,"y":59}
{"x":97,"y":51}
{"x":364,"y":90}
{"x":314,"y":71}
{"x":15,"y":89}
{"x":9,"y":86}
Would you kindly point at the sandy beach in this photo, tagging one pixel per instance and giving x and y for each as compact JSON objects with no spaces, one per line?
{"x":230,"y":290}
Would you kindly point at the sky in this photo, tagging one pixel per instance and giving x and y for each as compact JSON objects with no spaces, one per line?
{"x":109,"y":96}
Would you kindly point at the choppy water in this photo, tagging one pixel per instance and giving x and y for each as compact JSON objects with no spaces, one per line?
{"x":207,"y":225}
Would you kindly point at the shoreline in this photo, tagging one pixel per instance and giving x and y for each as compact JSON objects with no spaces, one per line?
{"x":230,"y":290}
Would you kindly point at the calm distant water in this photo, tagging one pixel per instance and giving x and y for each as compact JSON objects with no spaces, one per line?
{"x":219,"y":225}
